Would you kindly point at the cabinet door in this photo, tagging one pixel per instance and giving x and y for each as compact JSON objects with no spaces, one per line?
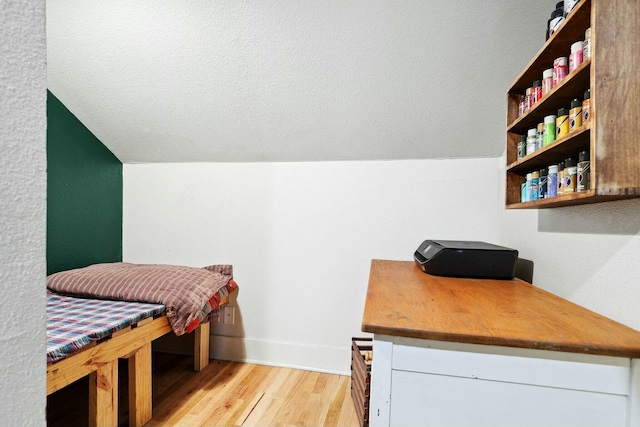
{"x":419,"y":399}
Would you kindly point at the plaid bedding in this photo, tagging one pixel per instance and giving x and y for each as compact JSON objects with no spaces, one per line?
{"x":73,"y":323}
{"x":192,"y":296}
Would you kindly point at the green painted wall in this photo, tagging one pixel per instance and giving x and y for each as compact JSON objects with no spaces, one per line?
{"x":84,"y":194}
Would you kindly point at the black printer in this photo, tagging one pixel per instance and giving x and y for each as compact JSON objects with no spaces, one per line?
{"x":466,"y":259}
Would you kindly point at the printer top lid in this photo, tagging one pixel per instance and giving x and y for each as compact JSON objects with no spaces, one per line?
{"x":458,"y":244}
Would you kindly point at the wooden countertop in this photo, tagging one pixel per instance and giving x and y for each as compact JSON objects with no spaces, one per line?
{"x":404,"y":301}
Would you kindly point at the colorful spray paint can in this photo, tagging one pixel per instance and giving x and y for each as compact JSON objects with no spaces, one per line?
{"x":560,"y":70}
{"x":575,"y":115}
{"x":570,"y":176}
{"x":584,"y":171}
{"x":547,"y":81}
{"x":586,"y":45}
{"x":562,"y":123}
{"x":549,"y":129}
{"x":522,"y":146}
{"x":575,"y":59}
{"x":586,"y":107}
{"x":560,"y":180}
{"x":542,"y":184}
{"x":532,"y":139}
{"x":533,"y":185}
{"x":552,"y":181}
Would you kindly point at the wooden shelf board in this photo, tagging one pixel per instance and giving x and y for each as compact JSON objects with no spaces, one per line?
{"x":573,"y":199}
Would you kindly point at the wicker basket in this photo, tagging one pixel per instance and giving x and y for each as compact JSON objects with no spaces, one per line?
{"x":361,"y":356}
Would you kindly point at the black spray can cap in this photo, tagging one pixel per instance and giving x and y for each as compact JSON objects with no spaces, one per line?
{"x":543,"y":172}
{"x":563,"y":112}
{"x":569,"y":162}
{"x":583,"y":156}
{"x":587,"y":94}
{"x":576,"y":103}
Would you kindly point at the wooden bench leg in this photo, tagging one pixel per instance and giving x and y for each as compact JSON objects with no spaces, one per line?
{"x":140,"y":387}
{"x":103,"y":395}
{"x":201,"y":347}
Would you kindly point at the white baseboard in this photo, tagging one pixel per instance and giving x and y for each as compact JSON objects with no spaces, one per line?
{"x":307,"y":357}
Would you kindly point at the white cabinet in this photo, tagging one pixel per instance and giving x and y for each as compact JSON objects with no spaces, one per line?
{"x":416,"y":382}
{"x":479,"y":352}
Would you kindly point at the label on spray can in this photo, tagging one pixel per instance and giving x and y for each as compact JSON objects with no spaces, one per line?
{"x":552,"y":181}
{"x":522,"y":146}
{"x":549,"y":129}
{"x":542,"y":184}
{"x":532,"y":139}
{"x":575,"y":115}
{"x":586,"y":45}
{"x":533,"y":186}
{"x":560,"y":70}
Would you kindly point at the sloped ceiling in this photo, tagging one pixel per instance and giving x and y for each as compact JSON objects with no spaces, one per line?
{"x":174,"y":81}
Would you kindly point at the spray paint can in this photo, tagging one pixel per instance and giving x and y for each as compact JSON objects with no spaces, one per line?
{"x":532,"y":139}
{"x":522,"y":146}
{"x":584,"y":171}
{"x":560,"y":180}
{"x":536,"y":92}
{"x":570,"y":175}
{"x":547,"y":81}
{"x":575,"y":115}
{"x":542,"y":184}
{"x":540,"y":136}
{"x":586,"y":45}
{"x":557,"y":18}
{"x":569,"y":5}
{"x":560,"y":70}
{"x":586,"y":107}
{"x":552,"y":181}
{"x":549,"y":129}
{"x":562,"y":123}
{"x":533,"y":185}
{"x":527,"y":186}
{"x":575,"y":59}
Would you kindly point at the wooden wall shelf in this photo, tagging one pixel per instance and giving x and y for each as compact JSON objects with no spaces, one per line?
{"x":613,"y":135}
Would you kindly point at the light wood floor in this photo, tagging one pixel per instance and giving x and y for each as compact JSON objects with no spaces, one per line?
{"x":223,"y":394}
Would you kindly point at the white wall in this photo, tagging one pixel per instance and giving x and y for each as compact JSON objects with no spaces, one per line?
{"x":587,"y":254}
{"x":23,"y":213}
{"x":301,"y":237}
{"x":291,"y":80}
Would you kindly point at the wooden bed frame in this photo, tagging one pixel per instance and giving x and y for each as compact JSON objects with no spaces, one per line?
{"x":100,"y":362}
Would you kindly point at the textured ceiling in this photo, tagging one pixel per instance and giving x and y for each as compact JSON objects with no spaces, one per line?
{"x":167,"y":81}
